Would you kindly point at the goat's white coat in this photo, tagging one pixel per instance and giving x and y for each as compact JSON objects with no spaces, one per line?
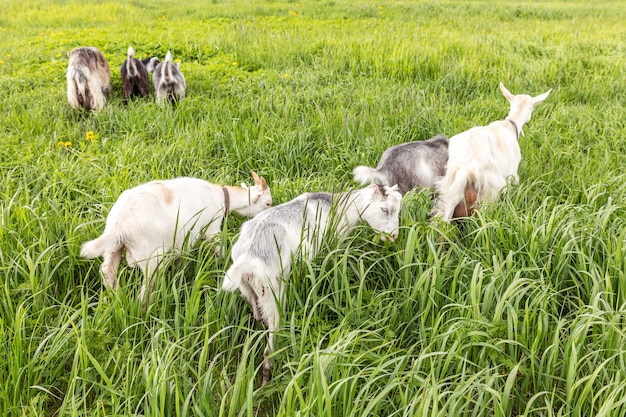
{"x":158,"y":217}
{"x":262,"y":255}
{"x":484,"y":157}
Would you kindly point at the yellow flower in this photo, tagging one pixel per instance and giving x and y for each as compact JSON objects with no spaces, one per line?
{"x":9,"y":55}
{"x":59,"y":55}
{"x":292,"y":13}
{"x":68,"y":144}
{"x":286,"y":75}
{"x":60,"y":144}
{"x":1,"y":61}
{"x":234,"y":63}
{"x":90,"y":136}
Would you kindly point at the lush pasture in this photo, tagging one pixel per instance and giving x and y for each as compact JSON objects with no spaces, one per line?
{"x":519,"y":311}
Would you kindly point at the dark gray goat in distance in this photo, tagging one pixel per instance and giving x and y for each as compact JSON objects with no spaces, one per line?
{"x":134,"y":75}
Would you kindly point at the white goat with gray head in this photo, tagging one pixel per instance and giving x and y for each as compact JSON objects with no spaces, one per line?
{"x":482,"y":159}
{"x":411,"y":165}
{"x":169,"y":81}
{"x":263,"y":253}
{"x":88,"y":78}
{"x":158,"y":217}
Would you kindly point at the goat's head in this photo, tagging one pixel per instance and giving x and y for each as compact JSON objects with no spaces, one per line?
{"x":259,"y":197}
{"x":150,"y":63}
{"x":522,"y":104}
{"x":382,"y":209}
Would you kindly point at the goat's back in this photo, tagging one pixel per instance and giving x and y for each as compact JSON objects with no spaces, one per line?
{"x":93,"y":60}
{"x":486,"y":149}
{"x":274,"y":234}
{"x":414,"y":164}
{"x":164,"y":208}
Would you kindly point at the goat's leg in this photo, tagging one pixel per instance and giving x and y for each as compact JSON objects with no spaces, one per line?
{"x":251,"y":297}
{"x":267,"y":363}
{"x":149,"y":269}
{"x":109,"y":267}
{"x":268,"y":300}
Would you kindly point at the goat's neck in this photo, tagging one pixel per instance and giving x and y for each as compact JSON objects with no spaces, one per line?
{"x":519,"y":116}
{"x":239,"y":198}
{"x":348,"y":210}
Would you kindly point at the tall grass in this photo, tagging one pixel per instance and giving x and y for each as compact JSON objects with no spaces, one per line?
{"x":520,"y":310}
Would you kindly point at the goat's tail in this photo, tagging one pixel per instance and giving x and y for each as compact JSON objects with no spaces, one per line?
{"x":168,"y":78}
{"x":77,"y":90}
{"x":131,"y":69}
{"x":235,"y":274}
{"x":366,"y":175}
{"x":107,"y":243}
{"x":168,"y":57}
{"x":452,"y":188}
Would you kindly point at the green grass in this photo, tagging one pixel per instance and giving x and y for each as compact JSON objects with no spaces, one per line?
{"x":522,"y":311}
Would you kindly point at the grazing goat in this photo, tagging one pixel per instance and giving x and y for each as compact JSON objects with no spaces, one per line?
{"x":88,"y":78}
{"x":481,"y":159}
{"x":409,"y":165}
{"x":150,"y":63}
{"x":169,"y":82}
{"x":135,"y":76}
{"x":262,"y":254}
{"x":158,"y":217}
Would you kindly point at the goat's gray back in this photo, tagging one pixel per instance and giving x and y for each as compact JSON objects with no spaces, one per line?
{"x":415,"y":164}
{"x":263,"y":234}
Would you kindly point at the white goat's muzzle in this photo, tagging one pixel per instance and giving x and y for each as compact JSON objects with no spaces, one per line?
{"x":389,"y":236}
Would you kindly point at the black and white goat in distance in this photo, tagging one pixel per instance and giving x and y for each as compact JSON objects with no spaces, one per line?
{"x":160,"y":217}
{"x":482,"y":159}
{"x":134,"y":75}
{"x":263,"y":253}
{"x":411,"y":165}
{"x":169,"y":81}
{"x":88,"y":78}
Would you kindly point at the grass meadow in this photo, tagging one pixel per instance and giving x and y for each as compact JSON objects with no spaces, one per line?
{"x":520,"y":311}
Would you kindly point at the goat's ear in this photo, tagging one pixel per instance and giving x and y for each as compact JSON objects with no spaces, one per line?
{"x":375,"y":189}
{"x":541,"y":97}
{"x":506,"y":92}
{"x":256,"y":178}
{"x":393,"y":188}
{"x":263,"y":184}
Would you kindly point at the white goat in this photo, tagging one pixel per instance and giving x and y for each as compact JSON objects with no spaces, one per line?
{"x":481,"y":159}
{"x":410,"y":165}
{"x":169,"y":81}
{"x":262,"y":254}
{"x":158,"y":217}
{"x":88,"y":78}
